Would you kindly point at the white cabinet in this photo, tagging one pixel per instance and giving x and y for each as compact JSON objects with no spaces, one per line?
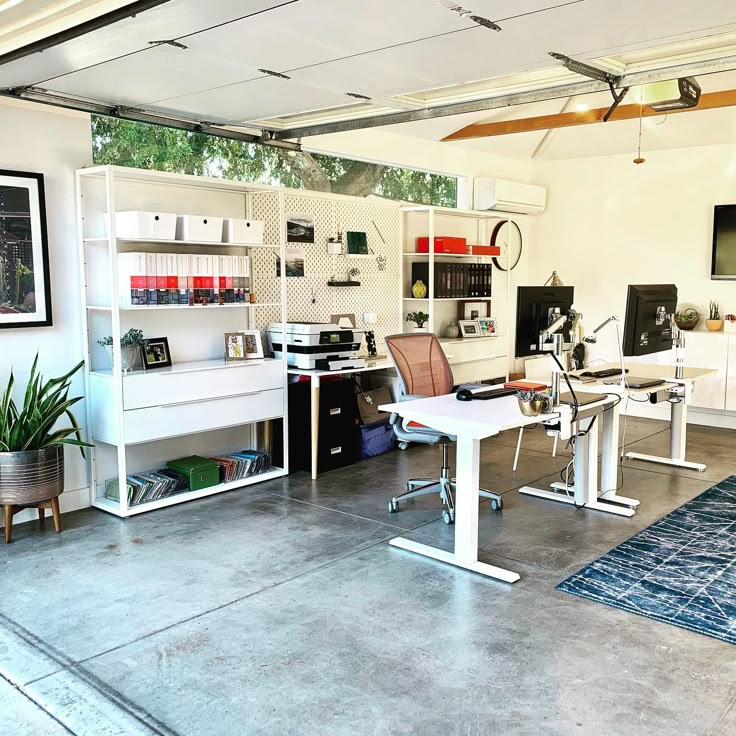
{"x":731,"y":375}
{"x":708,"y":350}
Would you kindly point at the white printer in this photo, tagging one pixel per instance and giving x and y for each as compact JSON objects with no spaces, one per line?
{"x":318,"y":345}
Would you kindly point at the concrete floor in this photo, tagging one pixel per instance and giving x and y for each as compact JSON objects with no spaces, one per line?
{"x":280,"y":609}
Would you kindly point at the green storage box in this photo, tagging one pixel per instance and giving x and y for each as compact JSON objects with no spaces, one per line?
{"x":201,"y":472}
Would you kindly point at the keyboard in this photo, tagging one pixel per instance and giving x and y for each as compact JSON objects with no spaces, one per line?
{"x":491,"y":394}
{"x":604,"y":373}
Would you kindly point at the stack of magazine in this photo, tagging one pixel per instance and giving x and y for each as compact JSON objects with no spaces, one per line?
{"x":242,"y":464}
{"x":149,"y":486}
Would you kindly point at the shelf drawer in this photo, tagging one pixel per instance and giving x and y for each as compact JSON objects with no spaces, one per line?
{"x":480,"y":370}
{"x":153,"y":389}
{"x":159,"y":422}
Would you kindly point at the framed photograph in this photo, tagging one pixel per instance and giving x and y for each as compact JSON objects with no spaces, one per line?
{"x":156,"y":354}
{"x":25,"y":291}
{"x":294,"y":263}
{"x":469,"y":328}
{"x":299,"y":228}
{"x":243,"y":345}
{"x":470,"y":309}
{"x":487,"y":327}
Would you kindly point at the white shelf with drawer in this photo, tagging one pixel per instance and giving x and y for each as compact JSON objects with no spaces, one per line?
{"x":201,"y":404}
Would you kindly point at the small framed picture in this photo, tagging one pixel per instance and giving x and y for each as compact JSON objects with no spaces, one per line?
{"x":487,"y":327}
{"x":155,"y":353}
{"x":469,"y":327}
{"x":244,"y":345}
{"x":471,"y":309}
{"x":299,"y":228}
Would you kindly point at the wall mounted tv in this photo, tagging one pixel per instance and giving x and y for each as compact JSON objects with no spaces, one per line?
{"x":723,"y":265}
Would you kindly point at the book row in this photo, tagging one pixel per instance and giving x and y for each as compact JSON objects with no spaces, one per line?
{"x":456,"y":280}
{"x":153,"y":485}
{"x":182,"y":278}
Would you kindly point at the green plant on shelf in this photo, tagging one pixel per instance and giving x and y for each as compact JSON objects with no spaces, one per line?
{"x":418,"y":318}
{"x":133,"y":338}
{"x":714,"y":310}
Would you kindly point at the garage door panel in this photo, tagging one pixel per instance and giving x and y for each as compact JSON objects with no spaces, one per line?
{"x":168,"y":21}
{"x":253,"y":100}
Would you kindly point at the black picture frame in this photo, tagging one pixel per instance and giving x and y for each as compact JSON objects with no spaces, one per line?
{"x":149,"y":357}
{"x":25,"y":291}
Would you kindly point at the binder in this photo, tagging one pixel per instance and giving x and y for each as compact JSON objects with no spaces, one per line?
{"x":132,"y":279}
{"x":162,"y":279}
{"x":182,"y":272}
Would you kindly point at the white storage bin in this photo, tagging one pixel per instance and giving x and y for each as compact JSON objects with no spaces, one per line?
{"x":139,"y":225}
{"x":238,"y":230}
{"x":200,"y":228}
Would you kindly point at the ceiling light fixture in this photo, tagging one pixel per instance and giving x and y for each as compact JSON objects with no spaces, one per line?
{"x":639,"y":159}
{"x":582,"y":107}
{"x":9,"y":4}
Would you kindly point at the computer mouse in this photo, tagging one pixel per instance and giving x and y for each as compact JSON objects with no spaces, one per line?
{"x":464,"y":394}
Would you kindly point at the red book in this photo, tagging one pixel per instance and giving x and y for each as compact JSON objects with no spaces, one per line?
{"x":526,"y":385}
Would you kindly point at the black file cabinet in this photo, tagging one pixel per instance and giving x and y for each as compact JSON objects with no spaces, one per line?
{"x":339,"y":433}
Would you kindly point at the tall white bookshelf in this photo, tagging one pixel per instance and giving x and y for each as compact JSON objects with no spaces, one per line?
{"x":203,"y":405}
{"x":472,"y":359}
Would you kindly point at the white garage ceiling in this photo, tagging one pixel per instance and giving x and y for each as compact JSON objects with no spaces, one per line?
{"x":203,"y":61}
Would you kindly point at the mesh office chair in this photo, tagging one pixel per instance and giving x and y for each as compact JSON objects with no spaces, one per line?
{"x":424,"y":371}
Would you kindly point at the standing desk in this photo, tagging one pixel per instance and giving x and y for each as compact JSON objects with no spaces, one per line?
{"x":472,"y":421}
{"x":679,"y":393}
{"x":315,"y":375}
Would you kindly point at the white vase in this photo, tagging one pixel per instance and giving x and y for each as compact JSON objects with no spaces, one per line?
{"x":128,"y":356}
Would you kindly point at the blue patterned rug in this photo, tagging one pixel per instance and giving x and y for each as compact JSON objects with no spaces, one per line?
{"x":681,"y":569}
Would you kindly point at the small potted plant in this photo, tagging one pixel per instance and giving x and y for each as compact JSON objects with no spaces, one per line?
{"x":418,"y":318}
{"x":533,"y":403}
{"x":130,"y":347}
{"x":729,"y":324}
{"x":687,"y":318}
{"x":714,"y":322}
{"x":32,"y":445}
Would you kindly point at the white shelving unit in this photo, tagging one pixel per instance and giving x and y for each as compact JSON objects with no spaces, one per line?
{"x":202,"y":405}
{"x":472,"y":359}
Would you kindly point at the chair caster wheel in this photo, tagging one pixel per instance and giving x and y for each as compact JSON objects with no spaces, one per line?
{"x":496,"y":504}
{"x":448,"y":517}
{"x":403,"y":445}
{"x":393,"y":506}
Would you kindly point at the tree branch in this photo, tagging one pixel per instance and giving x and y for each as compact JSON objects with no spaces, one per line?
{"x":360,"y":179}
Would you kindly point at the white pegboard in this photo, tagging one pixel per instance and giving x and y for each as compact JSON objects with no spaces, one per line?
{"x":310,"y":298}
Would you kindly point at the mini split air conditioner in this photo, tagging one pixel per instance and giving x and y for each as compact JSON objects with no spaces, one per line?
{"x":508,"y":196}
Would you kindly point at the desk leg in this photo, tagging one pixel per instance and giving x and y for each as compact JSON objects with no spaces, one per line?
{"x":585,"y":493}
{"x":678,"y":442}
{"x":314,"y":406}
{"x":610,"y":459}
{"x":466,"y":519}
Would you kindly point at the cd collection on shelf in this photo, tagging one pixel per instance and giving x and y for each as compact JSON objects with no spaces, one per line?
{"x":151,"y":279}
{"x":153,"y":485}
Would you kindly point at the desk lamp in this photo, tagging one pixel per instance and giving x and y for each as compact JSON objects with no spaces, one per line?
{"x":592,"y":339}
{"x":370,"y":318}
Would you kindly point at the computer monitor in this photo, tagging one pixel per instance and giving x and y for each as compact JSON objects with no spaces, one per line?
{"x":536,"y":308}
{"x":648,"y":327}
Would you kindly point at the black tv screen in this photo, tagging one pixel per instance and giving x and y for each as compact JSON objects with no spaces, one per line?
{"x":723,"y":265}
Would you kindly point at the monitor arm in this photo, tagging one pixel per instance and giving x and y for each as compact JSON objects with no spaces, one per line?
{"x":555,"y":347}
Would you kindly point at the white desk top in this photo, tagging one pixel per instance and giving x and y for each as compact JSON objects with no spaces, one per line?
{"x":652,"y":370}
{"x":370,"y":365}
{"x":478,"y":419}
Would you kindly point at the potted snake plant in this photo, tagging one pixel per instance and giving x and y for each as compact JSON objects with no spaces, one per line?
{"x":31,"y":443}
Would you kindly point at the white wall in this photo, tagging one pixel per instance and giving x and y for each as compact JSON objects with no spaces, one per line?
{"x":54,"y":143}
{"x":610,"y":223}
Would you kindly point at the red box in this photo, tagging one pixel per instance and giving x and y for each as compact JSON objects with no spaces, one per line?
{"x":443,"y":244}
{"x":485,"y":250}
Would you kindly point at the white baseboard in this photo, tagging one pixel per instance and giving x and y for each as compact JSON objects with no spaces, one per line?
{"x":68,"y":501}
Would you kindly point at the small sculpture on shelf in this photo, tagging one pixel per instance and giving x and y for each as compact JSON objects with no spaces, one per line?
{"x":419,"y":290}
{"x":418,"y":318}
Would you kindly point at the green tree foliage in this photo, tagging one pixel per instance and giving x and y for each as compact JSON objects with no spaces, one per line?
{"x":140,"y":145}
